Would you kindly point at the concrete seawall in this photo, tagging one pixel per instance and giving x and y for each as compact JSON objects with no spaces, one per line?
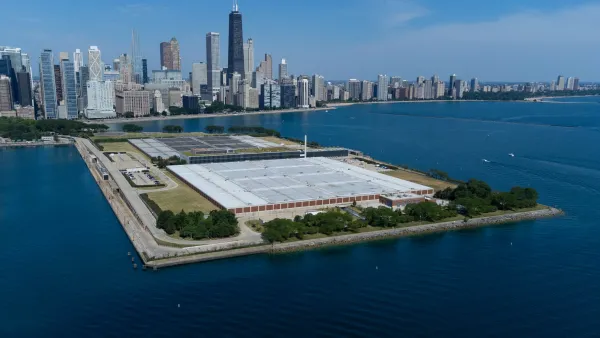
{"x":359,"y":238}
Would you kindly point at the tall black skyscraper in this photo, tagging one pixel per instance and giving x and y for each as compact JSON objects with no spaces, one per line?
{"x":235,"y":62}
{"x":144,"y":71}
{"x":6,"y":68}
{"x":24,"y":79}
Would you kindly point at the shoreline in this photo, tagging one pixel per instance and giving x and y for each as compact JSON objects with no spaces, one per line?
{"x":351,"y":239}
{"x":203,"y":116}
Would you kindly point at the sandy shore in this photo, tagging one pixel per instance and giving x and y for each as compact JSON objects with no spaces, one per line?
{"x":203,"y":116}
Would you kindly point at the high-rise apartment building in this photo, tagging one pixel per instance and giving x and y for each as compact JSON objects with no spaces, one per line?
{"x":366,"y":93}
{"x":136,"y":58}
{"x":382,"y":88}
{"x":288,"y":95}
{"x":354,"y":89}
{"x":570,"y":83}
{"x":199,"y":77}
{"x":576,"y":84}
{"x":283,"y":70}
{"x":560,"y":83}
{"x":451,"y":91}
{"x":95,"y":65}
{"x":270,"y":95}
{"x":7,"y":68}
{"x":303,"y":94}
{"x":396,"y":82}
{"x":69,"y":86}
{"x":266,"y":67}
{"x":48,"y":84}
{"x":235,"y":53}
{"x":474,"y":84}
{"x":84,"y":77}
{"x":212,"y":61}
{"x":136,"y":101}
{"x":77,"y":60}
{"x":6,"y":101}
{"x":248,"y":60}
{"x":318,"y":83}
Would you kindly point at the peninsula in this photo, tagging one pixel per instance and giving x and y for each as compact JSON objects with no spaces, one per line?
{"x":261,"y":194}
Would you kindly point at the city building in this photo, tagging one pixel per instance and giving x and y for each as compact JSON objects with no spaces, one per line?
{"x":283,"y":70}
{"x":175,"y":98}
{"x":266,"y":67}
{"x":396,"y":82}
{"x":135,"y":101}
{"x":159,"y":76}
{"x":7,"y":69}
{"x":84,"y":77}
{"x":25,"y":92}
{"x":6,"y":97}
{"x":199,"y":77}
{"x":474,"y":84}
{"x":288,"y":95}
{"x":145,"y":71}
{"x":440,"y":89}
{"x":100,"y":96}
{"x":213,"y":55}
{"x":318,"y":84}
{"x":451,"y":89}
{"x":303,"y":94}
{"x":69,"y":88}
{"x":136,"y":58}
{"x":382,"y":87}
{"x":576,"y":84}
{"x":191,"y":103}
{"x":248,"y":60}
{"x":157,"y":103}
{"x":95,"y":64}
{"x":26,"y":112}
{"x":366,"y":90}
{"x":77,"y":60}
{"x":235,"y":52}
{"x":169,"y":55}
{"x":354,"y":89}
{"x":48,"y":84}
{"x":570,"y":83}
{"x":560,"y":83}
{"x":270,"y":95}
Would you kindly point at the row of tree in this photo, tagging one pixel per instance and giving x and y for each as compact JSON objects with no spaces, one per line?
{"x":15,"y":128}
{"x":196,"y":225}
{"x":476,"y":197}
{"x":522,"y":95}
{"x":173,"y":129}
{"x":164,"y":162}
{"x":132,"y":128}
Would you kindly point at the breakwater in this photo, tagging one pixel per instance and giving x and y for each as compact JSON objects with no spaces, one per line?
{"x":359,"y":237}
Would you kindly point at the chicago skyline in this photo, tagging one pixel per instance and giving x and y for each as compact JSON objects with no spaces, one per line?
{"x":235,"y":58}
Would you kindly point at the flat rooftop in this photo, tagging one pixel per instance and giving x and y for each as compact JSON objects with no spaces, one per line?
{"x":258,"y":183}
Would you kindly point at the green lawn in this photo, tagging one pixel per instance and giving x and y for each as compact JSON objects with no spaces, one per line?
{"x":182,"y":197}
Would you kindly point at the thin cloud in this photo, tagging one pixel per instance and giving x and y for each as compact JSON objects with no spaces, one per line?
{"x":403,"y":12}
{"x":135,"y":9}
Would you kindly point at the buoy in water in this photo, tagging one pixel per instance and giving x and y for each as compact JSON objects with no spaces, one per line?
{"x":132,"y":259}
{"x":376,"y":268}
{"x":128,"y":253}
{"x":135,"y":266}
{"x":178,"y":305}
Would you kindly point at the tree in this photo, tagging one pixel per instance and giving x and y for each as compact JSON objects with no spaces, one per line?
{"x":214,"y":129}
{"x":132,"y":128}
{"x":129,"y":115}
{"x":172,"y":129}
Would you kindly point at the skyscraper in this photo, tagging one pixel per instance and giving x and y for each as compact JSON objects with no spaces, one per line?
{"x":283,"y":70}
{"x":318,"y":83}
{"x":58,"y":82}
{"x":69,"y":87}
{"x":248,"y":60}
{"x":6,"y":101}
{"x":354,"y":88}
{"x":560,"y":83}
{"x":77,"y":60}
{"x":212,"y":61}
{"x":136,"y":58}
{"x":48,"y":84}
{"x":451,"y":85}
{"x":235,"y":59}
{"x":95,"y":65}
{"x":288,"y":95}
{"x":199,"y":77}
{"x":84,"y":77}
{"x":303,"y":96}
{"x":166,"y":55}
{"x":175,"y":57}
{"x":24,"y":82}
{"x":576,"y":84}
{"x":7,"y":68}
{"x":474,"y":84}
{"x":570,"y":83}
{"x":144,"y":71}
{"x":101,"y":99}
{"x":268,"y":67}
{"x":382,"y":87}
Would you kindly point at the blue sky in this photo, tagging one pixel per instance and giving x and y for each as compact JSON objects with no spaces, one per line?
{"x":507,"y":40}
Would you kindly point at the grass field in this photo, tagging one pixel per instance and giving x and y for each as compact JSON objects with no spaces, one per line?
{"x":278,"y":140}
{"x":182,"y":197}
{"x":420,"y":179}
{"x":122,"y":147}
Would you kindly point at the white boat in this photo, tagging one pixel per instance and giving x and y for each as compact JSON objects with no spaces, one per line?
{"x":486,"y":161}
{"x":511,"y":155}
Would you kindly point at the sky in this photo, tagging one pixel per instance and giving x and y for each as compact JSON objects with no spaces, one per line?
{"x":508,"y":40}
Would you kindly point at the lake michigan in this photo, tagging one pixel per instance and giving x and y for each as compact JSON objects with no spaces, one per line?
{"x":65,"y":272}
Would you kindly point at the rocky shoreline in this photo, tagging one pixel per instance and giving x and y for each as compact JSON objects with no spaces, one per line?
{"x":416,"y":230}
{"x":358,"y":238}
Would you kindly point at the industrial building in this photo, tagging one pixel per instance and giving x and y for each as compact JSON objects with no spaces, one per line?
{"x":277,"y":185}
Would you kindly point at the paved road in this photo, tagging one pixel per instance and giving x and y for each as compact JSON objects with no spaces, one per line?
{"x":137,"y":206}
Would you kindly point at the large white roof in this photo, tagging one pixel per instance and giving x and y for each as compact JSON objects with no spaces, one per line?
{"x":255,"y":183}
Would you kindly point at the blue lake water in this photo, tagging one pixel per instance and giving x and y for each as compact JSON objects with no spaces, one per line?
{"x":65,"y":271}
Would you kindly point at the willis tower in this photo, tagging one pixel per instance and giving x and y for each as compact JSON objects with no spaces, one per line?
{"x":235,"y":62}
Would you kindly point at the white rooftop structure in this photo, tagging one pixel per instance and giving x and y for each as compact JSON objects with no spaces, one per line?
{"x":288,"y":181}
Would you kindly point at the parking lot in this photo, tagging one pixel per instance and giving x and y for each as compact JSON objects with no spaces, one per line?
{"x":143,"y":179}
